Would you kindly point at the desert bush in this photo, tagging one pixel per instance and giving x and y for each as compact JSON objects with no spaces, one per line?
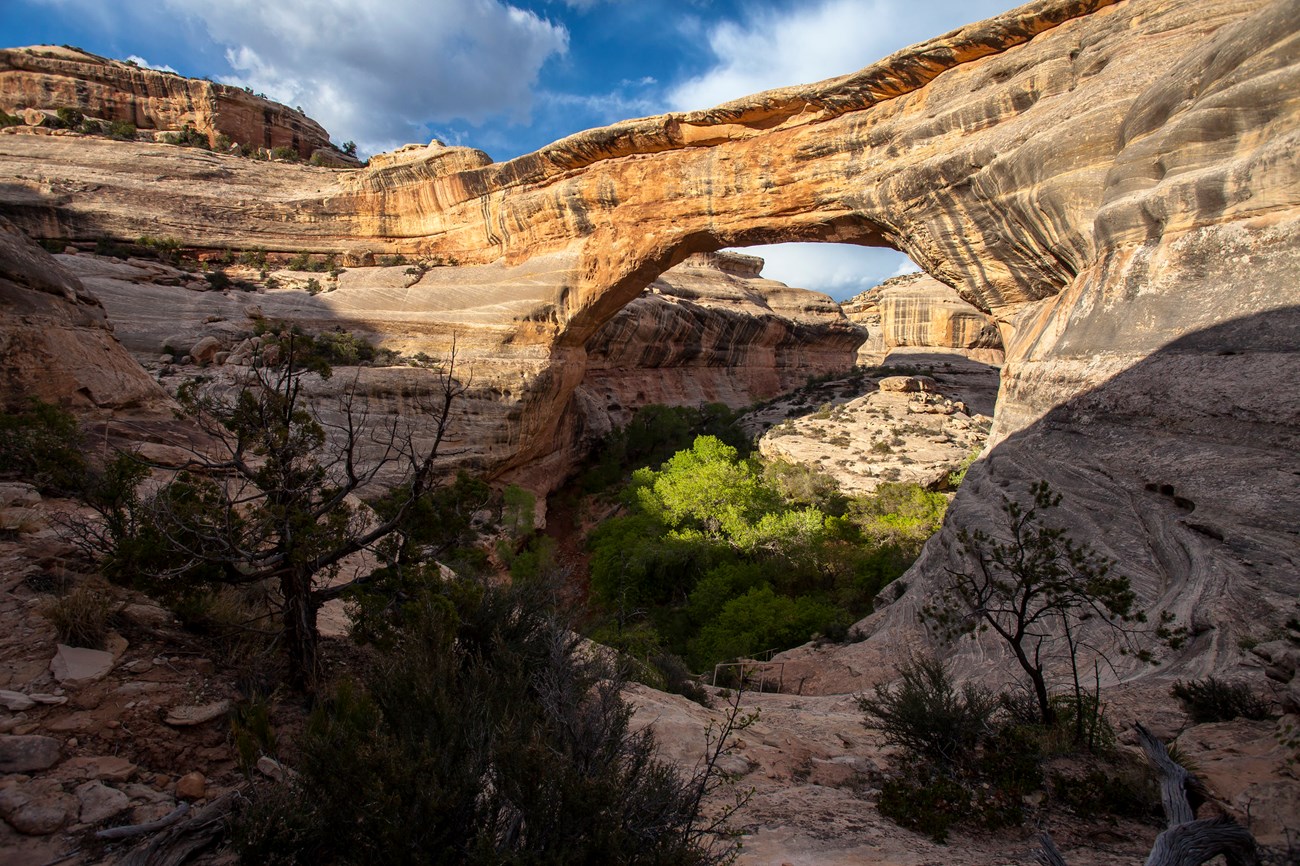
{"x":313,"y":286}
{"x":42,"y":444}
{"x":929,"y":717}
{"x":286,"y":153}
{"x":188,"y":136}
{"x":1213,"y":700}
{"x":487,"y":735}
{"x":9,"y":120}
{"x":71,"y":118}
{"x":80,"y":618}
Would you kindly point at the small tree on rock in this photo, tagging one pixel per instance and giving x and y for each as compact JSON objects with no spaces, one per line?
{"x":1033,"y":585}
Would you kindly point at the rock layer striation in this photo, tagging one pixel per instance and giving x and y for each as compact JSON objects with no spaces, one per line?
{"x":1115,"y":182}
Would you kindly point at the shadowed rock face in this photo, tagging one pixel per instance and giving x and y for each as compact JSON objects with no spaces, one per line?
{"x":50,"y":77}
{"x":1105,"y":179}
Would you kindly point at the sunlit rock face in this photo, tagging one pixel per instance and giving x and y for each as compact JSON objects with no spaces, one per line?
{"x":712,"y":330}
{"x":1115,"y":183}
{"x":50,"y":77}
{"x":916,"y":310}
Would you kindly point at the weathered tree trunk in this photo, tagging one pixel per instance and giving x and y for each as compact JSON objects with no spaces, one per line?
{"x":300,"y":635}
{"x":1186,"y":841}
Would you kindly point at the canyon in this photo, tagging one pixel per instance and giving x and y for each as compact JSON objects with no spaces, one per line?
{"x":1112,"y":184}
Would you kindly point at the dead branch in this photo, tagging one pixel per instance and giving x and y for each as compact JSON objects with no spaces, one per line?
{"x":1186,"y":841}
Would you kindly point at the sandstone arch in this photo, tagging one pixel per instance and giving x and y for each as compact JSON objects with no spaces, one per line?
{"x":1106,"y":178}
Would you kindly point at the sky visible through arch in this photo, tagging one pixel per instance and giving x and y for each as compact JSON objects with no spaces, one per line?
{"x":510,"y":77}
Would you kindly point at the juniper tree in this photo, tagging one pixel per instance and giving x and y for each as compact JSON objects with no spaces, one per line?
{"x":269,"y":495}
{"x":1032,"y":585}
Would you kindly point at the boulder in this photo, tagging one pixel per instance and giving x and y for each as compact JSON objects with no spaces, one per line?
{"x":36,"y":808}
{"x":205,"y":350}
{"x":907,"y":383}
{"x":75,"y":666}
{"x":191,"y":786}
{"x":23,"y":754}
{"x":99,"y":802}
{"x":184,"y":717}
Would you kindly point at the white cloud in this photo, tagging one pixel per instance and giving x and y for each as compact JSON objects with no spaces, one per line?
{"x":839,"y":270}
{"x":378,"y":71}
{"x":771,"y":48}
{"x":140,"y":61}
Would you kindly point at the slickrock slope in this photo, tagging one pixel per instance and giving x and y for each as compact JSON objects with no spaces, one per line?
{"x":49,"y":77}
{"x":918,"y":310}
{"x":1115,"y":182}
{"x":55,"y":342}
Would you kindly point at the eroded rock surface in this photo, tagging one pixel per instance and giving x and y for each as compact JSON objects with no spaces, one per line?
{"x":45,"y":78}
{"x":55,"y":341}
{"x":918,"y":310}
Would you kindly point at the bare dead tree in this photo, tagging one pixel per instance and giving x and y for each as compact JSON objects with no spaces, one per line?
{"x":1186,"y":840}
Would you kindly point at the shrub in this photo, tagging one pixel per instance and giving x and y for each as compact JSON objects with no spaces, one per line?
{"x":43,"y":445}
{"x":313,"y":286}
{"x":188,"y":136}
{"x":286,"y":153}
{"x":1213,"y":700}
{"x":925,"y":801}
{"x":9,"y":120}
{"x":217,"y":280}
{"x":80,"y":618}
{"x":300,"y":262}
{"x":929,"y":717}
{"x":487,"y":735}
{"x":71,"y":118}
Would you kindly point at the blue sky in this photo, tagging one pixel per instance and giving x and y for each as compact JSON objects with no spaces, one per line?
{"x":508,"y":76}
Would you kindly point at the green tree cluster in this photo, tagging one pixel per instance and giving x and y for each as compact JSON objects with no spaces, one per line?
{"x":720,"y":556}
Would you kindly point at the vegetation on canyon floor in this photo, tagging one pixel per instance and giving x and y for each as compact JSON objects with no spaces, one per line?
{"x":721,"y":556}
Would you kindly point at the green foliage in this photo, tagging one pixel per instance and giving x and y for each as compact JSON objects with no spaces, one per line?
{"x":217,"y":280}
{"x":349,"y":147}
{"x":653,"y":435}
{"x":286,"y":153}
{"x":1213,"y":700}
{"x":166,"y":249}
{"x":313,"y":286}
{"x":1127,"y":790}
{"x":9,"y":119}
{"x":760,"y":620}
{"x":41,"y":444}
{"x":724,"y":556}
{"x":485,"y":736}
{"x":253,"y":731}
{"x":925,"y":802}
{"x":929,"y":717}
{"x":188,"y":136}
{"x":71,"y":118}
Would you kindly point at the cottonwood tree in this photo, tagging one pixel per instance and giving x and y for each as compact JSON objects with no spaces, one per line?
{"x":270,"y":496}
{"x":1032,"y":585}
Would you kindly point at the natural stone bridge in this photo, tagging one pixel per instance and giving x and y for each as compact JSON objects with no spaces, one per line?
{"x":1115,"y":181}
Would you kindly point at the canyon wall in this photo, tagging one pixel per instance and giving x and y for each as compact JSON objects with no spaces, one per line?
{"x":1115,"y":183}
{"x":50,"y":77}
{"x":917,"y":310}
